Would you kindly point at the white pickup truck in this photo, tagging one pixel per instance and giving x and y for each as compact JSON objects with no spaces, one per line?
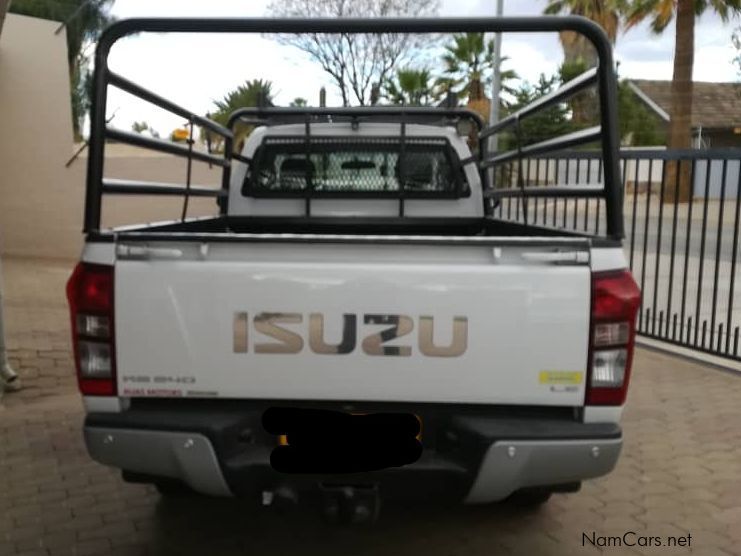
{"x":356,"y":322}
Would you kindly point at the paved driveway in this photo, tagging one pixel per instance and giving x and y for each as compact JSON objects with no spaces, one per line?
{"x":680,"y":473}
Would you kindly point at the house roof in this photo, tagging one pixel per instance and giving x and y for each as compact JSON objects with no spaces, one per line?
{"x":714,"y":105}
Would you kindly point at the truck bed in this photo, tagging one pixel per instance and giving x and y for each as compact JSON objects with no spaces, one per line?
{"x":452,"y":227}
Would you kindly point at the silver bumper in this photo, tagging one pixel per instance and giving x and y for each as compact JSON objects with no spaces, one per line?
{"x":184,"y":456}
{"x":507,"y":465}
{"x":511,"y":465}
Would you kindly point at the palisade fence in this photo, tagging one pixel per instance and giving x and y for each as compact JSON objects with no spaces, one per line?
{"x":684,"y":255}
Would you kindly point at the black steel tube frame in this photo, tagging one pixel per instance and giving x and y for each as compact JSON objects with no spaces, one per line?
{"x":282,"y":115}
{"x":588,"y":135}
{"x":161,"y":145}
{"x":153,"y":98}
{"x":130,"y":187}
{"x":567,"y":90}
{"x":572,"y":191}
{"x":605,"y":78}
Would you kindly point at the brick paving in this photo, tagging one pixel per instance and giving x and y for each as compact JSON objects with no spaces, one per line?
{"x":680,"y":472}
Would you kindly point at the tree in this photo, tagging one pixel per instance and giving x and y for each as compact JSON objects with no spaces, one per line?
{"x":579,"y":54}
{"x":661,"y":13}
{"x":410,"y":87}
{"x":542,"y":125}
{"x":469,"y":66}
{"x":576,"y":47}
{"x":255,"y":92}
{"x":584,"y":104}
{"x":85,"y":19}
{"x":469,"y":70}
{"x":639,"y":126}
{"x":299,"y":102}
{"x":469,"y":61}
{"x":357,"y":63}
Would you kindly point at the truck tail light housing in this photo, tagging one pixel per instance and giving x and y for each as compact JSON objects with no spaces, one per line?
{"x":615,"y":302}
{"x":90,"y":297}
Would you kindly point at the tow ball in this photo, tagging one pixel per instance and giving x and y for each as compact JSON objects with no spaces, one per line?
{"x":350,"y":505}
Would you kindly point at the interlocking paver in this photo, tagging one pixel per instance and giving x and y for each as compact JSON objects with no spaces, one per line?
{"x":679,"y":472}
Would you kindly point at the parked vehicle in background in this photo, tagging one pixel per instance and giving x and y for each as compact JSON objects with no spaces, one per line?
{"x":355,"y":323}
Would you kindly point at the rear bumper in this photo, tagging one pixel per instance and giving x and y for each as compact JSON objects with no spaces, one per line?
{"x":475,"y":458}
{"x":512,"y":465}
{"x":178,"y":455}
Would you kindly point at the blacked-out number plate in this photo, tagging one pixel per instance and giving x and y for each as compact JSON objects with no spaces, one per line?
{"x":325,"y":441}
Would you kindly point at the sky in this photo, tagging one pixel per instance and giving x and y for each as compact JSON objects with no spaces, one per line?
{"x":194,"y":70}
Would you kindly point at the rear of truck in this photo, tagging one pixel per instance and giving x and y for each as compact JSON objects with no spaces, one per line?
{"x":358,"y":297}
{"x":516,"y":365}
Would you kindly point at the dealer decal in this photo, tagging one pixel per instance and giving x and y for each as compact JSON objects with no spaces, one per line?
{"x":561,"y":378}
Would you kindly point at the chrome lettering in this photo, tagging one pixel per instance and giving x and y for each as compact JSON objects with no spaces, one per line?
{"x":240,"y":337}
{"x":316,"y":335}
{"x":289,"y":342}
{"x":457,"y":346}
{"x":374,"y":343}
{"x":401,"y":326}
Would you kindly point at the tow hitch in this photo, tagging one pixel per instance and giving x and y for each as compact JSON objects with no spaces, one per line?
{"x":350,"y":505}
{"x":340,"y":504}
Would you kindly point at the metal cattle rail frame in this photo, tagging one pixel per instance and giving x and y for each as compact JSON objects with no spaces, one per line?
{"x":603,"y":77}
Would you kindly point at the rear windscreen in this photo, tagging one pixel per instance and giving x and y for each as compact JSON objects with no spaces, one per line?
{"x":285,"y":166}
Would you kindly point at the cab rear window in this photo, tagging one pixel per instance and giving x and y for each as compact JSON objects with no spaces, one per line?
{"x":348,"y":167}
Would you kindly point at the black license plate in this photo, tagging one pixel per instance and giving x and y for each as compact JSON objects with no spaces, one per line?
{"x":325,"y":441}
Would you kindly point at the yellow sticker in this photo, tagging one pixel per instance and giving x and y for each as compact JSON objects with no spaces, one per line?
{"x":561,"y":377}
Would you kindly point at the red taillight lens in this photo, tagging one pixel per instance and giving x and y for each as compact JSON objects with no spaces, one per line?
{"x":90,"y":297}
{"x":615,"y":302}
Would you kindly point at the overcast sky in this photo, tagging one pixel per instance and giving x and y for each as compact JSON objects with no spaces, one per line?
{"x":193,"y":70}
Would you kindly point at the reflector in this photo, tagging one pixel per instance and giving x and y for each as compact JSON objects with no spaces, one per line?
{"x":608,"y":367}
{"x":95,"y":360}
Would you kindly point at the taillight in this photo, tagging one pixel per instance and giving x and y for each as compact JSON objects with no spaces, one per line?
{"x":90,"y":297}
{"x":615,"y":302}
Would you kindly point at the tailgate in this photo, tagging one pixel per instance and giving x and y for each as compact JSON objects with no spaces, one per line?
{"x":468,"y":321}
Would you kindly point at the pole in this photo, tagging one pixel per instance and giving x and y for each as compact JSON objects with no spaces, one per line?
{"x":497,"y":82}
{"x":493,"y":143}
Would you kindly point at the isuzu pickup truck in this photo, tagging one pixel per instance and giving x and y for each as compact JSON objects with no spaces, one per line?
{"x":361,"y":319}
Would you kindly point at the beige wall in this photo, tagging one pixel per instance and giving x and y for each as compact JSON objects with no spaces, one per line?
{"x":37,"y":216}
{"x":41,"y":201}
{"x":126,"y":162}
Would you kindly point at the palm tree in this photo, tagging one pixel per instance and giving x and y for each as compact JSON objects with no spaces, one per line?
{"x":410,"y":87}
{"x":254,"y":92}
{"x":85,"y":19}
{"x":469,"y":69}
{"x":579,"y":54}
{"x":577,"y":49}
{"x":469,"y":64}
{"x":661,"y":13}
